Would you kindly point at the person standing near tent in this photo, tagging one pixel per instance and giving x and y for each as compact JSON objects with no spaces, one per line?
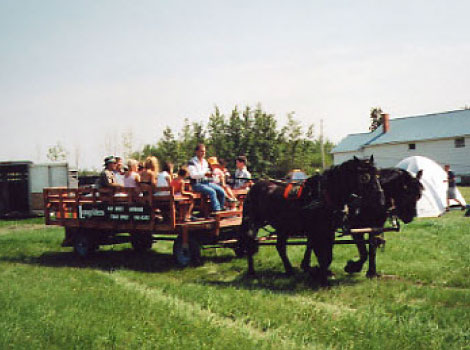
{"x":451,"y":190}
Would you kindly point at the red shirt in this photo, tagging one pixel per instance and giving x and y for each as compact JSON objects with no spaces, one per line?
{"x":177,"y":184}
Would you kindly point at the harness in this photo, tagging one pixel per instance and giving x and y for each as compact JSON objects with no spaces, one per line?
{"x":293,"y":191}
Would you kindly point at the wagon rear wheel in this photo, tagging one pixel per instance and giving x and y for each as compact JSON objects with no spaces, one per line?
{"x":142,"y":242}
{"x":187,"y":255}
{"x":239,"y":252}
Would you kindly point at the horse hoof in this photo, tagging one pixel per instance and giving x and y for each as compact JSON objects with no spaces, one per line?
{"x":353,"y":267}
{"x":324,"y":283}
{"x":372,"y":275}
{"x":290,"y":273}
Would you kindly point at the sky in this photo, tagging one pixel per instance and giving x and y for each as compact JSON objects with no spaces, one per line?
{"x":83,"y":73}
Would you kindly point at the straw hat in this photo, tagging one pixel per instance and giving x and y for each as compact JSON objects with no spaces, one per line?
{"x":213,"y":161}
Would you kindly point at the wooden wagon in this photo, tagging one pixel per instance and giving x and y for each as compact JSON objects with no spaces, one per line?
{"x":93,"y":217}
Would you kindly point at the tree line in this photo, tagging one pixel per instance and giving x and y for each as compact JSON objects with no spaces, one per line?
{"x":271,"y":150}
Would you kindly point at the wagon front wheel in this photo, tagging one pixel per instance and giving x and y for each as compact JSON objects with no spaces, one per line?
{"x":191,"y":254}
{"x":83,"y":245}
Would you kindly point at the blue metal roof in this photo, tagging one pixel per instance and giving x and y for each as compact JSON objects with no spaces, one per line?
{"x":418,"y":128}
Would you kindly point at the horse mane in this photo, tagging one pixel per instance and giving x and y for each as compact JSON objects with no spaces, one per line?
{"x":336,"y":180}
{"x":393,"y":178}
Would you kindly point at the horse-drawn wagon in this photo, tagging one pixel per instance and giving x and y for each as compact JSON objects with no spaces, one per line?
{"x":93,"y":217}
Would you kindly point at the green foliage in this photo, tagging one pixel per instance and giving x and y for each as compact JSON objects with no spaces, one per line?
{"x":271,"y":151}
{"x":376,"y":118}
{"x":57,"y":153}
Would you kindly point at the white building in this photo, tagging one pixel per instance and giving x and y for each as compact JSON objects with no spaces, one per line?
{"x":443,"y":137}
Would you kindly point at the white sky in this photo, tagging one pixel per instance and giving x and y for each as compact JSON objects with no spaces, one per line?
{"x":79,"y":72}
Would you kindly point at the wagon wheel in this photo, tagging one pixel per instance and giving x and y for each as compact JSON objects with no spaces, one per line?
{"x":83,"y":245}
{"x":142,"y":242}
{"x":239,"y":252}
{"x":189,"y":255}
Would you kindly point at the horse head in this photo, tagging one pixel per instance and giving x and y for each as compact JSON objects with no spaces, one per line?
{"x":403,"y":191}
{"x":356,"y":181}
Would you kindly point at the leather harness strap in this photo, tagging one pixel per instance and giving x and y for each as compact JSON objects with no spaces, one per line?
{"x":288,"y":189}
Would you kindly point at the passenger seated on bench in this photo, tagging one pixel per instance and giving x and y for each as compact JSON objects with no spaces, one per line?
{"x":219,"y":178}
{"x":242,"y":175}
{"x":119,"y":171}
{"x":131,"y":177}
{"x":149,"y":174}
{"x":201,"y":179}
{"x":178,"y":187}
{"x":164,"y":178}
{"x":107,"y":178}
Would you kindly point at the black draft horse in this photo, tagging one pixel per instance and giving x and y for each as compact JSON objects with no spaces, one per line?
{"x":402,"y":192}
{"x":317,"y":213}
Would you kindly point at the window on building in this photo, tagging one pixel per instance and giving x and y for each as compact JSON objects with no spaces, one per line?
{"x":459,"y":142}
{"x":411,"y":146}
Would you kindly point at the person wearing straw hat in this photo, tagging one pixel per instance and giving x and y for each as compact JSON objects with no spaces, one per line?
{"x":218,"y":175}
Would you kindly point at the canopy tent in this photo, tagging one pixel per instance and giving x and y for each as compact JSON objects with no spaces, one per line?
{"x":433,"y":199}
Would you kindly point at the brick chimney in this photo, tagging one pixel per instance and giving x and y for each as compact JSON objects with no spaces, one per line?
{"x":385,"y":123}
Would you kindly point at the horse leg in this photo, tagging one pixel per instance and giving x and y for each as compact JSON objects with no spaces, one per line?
{"x":372,"y":271}
{"x":323,"y":249}
{"x":281,"y":244}
{"x":356,"y":266}
{"x":305,"y":265}
{"x":248,"y":244}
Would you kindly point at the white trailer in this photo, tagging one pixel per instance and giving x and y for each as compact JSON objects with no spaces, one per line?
{"x":22,"y":184}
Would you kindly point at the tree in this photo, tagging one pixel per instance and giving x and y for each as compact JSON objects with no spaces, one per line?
{"x":253,"y":133}
{"x":167,"y":147}
{"x":376,"y":118}
{"x":216,"y":128}
{"x":292,"y":136}
{"x":57,"y":153}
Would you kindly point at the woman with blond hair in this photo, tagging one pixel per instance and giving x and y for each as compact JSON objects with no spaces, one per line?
{"x":131,"y":176}
{"x":149,"y":174}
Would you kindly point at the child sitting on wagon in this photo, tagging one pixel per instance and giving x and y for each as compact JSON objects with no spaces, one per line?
{"x":218,"y":175}
{"x":242,"y":175}
{"x":178,"y":185}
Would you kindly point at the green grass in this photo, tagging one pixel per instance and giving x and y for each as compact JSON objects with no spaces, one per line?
{"x":50,"y":299}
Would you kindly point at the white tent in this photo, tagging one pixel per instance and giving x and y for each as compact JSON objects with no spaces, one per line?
{"x":433,"y":200}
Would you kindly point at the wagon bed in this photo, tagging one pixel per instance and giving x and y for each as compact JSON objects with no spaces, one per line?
{"x":93,"y":217}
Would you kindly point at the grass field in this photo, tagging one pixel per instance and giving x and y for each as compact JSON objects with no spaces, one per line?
{"x":49,"y":299}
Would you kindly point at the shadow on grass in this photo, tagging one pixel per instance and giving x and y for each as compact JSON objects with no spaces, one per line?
{"x":155,"y":262}
{"x":109,"y":260}
{"x":279,"y":282}
{"x":150,"y":261}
